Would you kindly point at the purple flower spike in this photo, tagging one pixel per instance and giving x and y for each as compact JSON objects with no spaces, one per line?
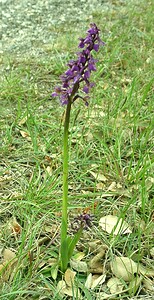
{"x":77,"y":76}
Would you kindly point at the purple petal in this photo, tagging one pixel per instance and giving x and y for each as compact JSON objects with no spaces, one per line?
{"x":65,"y":85}
{"x":86,"y":89}
{"x":94,"y":29}
{"x":92,"y":84}
{"x":81,"y":44}
{"x":86,"y":75}
{"x":58,"y":89}
{"x":71,"y":63}
{"x":75,"y":68}
{"x":54,"y":94}
{"x":91,"y":67}
{"x":64,"y":102}
{"x":88,"y":40}
{"x":82,"y":59}
{"x":96,"y":47}
{"x":69,"y":72}
{"x":77,"y":77}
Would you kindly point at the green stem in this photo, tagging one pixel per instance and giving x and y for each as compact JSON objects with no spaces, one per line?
{"x":65,"y":173}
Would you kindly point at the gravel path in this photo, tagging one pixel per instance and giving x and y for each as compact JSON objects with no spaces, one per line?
{"x":28,"y":25}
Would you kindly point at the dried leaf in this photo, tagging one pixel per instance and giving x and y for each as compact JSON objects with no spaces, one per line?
{"x":115,"y":285}
{"x":25,"y":134}
{"x":98,"y":176}
{"x":145,"y":271}
{"x":1,"y":267}
{"x":8,"y":265}
{"x":15,"y":227}
{"x":88,"y":281}
{"x":100,"y":186}
{"x":148,"y":284}
{"x":115,"y":225}
{"x":124,"y":267}
{"x":152,"y":252}
{"x":49,"y":170}
{"x":103,"y":296}
{"x":63,"y":289}
{"x":97,"y":280}
{"x":23,"y":121}
{"x":8,"y":255}
{"x":79,"y":266}
{"x":149,"y":183}
{"x":89,"y":136}
{"x":98,"y":256}
{"x":60,"y":287}
{"x":95,"y":264}
{"x":69,"y":277}
{"x":112,"y":187}
{"x":96,"y":268}
{"x":79,"y":256}
{"x":93,"y":281}
{"x":72,"y":292}
{"x":96,"y":245}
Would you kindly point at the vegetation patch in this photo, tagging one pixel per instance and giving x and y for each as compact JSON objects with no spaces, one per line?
{"x":111,"y":158}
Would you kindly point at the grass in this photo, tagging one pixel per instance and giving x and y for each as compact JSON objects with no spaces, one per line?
{"x":113,"y":137}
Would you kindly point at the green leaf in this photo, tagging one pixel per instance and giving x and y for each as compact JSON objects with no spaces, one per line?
{"x":73,"y":243}
{"x":67,"y":248}
{"x":54,"y":271}
{"x":64,"y":256}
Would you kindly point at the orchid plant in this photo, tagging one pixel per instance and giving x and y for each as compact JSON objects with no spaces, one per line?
{"x":75,"y":84}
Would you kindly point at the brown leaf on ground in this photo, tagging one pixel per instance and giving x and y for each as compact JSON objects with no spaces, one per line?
{"x":25,"y":134}
{"x":115,"y":225}
{"x":79,"y":266}
{"x":69,"y":277}
{"x":15,"y":227}
{"x":95,"y":264}
{"x":115,"y":285}
{"x":124,"y":267}
{"x":8,"y":265}
{"x":93,"y":281}
{"x":98,"y":176}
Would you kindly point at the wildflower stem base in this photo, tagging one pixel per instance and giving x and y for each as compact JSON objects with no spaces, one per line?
{"x":65,"y":175}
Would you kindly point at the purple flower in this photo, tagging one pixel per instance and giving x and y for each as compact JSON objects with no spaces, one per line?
{"x":78,"y":75}
{"x":83,"y":221}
